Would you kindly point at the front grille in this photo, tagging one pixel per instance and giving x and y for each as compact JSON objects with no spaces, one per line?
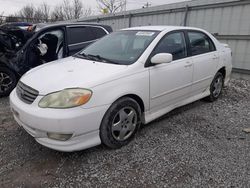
{"x":26,"y":93}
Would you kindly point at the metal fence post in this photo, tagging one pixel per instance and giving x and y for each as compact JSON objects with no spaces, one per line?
{"x":186,"y":15}
{"x":129,"y":20}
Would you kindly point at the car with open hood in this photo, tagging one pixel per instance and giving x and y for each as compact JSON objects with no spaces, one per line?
{"x":128,"y":78}
{"x":22,"y":50}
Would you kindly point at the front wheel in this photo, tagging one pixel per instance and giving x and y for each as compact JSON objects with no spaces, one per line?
{"x":8,"y":81}
{"x":216,"y":87}
{"x":120,"y":123}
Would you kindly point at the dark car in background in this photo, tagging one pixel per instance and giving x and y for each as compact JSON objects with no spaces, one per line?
{"x":22,"y":51}
{"x":21,"y":25}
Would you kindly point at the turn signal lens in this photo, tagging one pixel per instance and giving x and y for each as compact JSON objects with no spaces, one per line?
{"x":60,"y":137}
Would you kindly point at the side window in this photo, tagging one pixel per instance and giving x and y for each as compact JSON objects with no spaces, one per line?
{"x":99,"y":32}
{"x":200,"y":43}
{"x":174,"y":44}
{"x":79,"y":34}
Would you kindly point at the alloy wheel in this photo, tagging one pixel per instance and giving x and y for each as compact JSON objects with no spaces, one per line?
{"x":217,"y":86}
{"x":124,"y":124}
{"x":5,"y":82}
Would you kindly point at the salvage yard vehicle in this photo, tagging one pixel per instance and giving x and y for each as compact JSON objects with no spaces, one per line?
{"x":128,"y":78}
{"x":46,"y":43}
{"x":21,"y":25}
{"x":13,"y":37}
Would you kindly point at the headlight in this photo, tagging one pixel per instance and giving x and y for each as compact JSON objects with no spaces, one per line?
{"x":67,"y":98}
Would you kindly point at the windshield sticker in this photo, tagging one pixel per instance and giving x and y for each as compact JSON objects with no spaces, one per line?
{"x":145,"y":33}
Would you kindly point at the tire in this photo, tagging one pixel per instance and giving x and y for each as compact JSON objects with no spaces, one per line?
{"x":8,"y":81}
{"x":216,"y":87}
{"x":120,"y":123}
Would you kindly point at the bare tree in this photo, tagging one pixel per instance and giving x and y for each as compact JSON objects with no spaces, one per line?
{"x":77,"y":9}
{"x":30,"y":13}
{"x":70,"y":10}
{"x":27,"y":13}
{"x":58,"y":14}
{"x":43,"y":12}
{"x":87,"y":11}
{"x":111,"y":6}
{"x":38,"y":16}
{"x":67,"y":10}
{"x":2,"y":18}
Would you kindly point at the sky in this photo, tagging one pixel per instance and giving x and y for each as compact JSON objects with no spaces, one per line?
{"x":11,"y":6}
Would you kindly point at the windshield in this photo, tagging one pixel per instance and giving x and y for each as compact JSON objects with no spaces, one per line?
{"x":122,"y":47}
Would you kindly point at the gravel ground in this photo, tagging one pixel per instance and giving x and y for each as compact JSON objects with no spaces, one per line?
{"x":198,"y":145}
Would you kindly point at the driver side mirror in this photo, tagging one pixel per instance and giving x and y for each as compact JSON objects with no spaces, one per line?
{"x":162,"y":58}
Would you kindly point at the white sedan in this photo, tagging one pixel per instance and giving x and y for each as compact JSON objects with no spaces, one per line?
{"x":128,"y":78}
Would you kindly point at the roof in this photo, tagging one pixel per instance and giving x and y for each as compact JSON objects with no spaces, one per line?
{"x":61,"y":24}
{"x":70,"y":23}
{"x":161,"y":28}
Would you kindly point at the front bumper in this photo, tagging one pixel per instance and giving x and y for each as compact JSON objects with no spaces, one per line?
{"x":82,"y":123}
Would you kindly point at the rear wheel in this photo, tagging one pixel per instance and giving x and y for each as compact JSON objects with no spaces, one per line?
{"x":8,"y":81}
{"x":216,"y":87}
{"x":120,"y":123}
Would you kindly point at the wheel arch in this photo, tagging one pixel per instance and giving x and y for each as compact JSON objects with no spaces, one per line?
{"x":222,"y":70}
{"x":136,"y":98}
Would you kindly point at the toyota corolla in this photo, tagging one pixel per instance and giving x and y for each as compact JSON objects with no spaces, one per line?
{"x":128,"y":78}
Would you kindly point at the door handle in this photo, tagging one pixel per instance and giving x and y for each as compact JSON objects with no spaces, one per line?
{"x":214,"y":58}
{"x":188,"y":64}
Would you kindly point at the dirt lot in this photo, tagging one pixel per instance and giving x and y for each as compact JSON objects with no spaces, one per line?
{"x":199,"y":145}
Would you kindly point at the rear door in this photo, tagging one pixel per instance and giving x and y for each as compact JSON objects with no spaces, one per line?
{"x":99,"y":32}
{"x":205,"y":59}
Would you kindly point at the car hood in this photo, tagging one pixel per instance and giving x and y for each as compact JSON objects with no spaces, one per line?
{"x":70,"y":73}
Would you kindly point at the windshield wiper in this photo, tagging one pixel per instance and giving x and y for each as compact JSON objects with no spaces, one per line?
{"x":81,"y":55}
{"x":88,"y":56}
{"x":96,"y":58}
{"x":102,"y":59}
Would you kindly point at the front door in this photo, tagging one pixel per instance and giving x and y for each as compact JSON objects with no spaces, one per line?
{"x":171,"y":83}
